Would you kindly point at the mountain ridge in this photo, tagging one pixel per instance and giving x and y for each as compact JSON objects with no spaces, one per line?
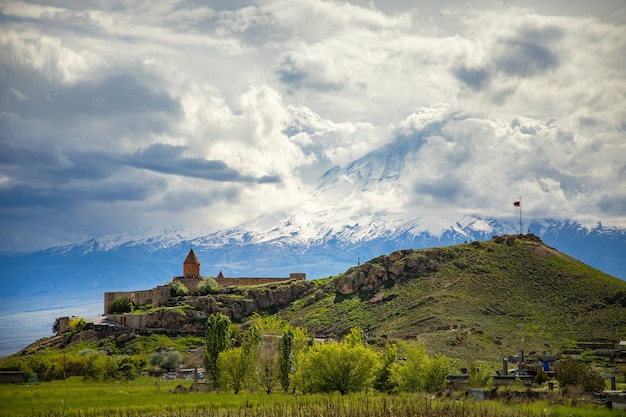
{"x":298,"y":243}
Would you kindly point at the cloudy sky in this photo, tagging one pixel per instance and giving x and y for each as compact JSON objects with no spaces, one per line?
{"x":123,"y":115}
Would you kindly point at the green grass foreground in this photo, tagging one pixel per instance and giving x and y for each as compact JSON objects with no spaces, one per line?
{"x":146,"y":397}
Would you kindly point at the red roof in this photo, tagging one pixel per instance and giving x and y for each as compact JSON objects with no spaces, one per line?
{"x":191,"y":258}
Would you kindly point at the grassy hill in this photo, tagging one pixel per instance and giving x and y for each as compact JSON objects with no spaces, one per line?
{"x":484,"y":299}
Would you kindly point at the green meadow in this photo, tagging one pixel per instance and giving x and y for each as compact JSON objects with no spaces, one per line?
{"x":147,"y":396}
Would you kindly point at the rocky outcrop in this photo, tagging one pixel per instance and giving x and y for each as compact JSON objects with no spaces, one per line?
{"x":407,"y":264}
{"x":189,"y":314}
{"x":385,"y":270}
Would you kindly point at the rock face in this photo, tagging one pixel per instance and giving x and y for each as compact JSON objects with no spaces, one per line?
{"x":234,"y":302}
{"x":385,"y":270}
{"x":407,"y":264}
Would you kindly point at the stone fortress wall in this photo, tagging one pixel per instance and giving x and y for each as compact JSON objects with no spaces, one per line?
{"x":161,"y":295}
{"x":227,"y":282}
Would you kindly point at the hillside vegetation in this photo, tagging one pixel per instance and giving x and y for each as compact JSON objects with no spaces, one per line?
{"x":482,"y":299}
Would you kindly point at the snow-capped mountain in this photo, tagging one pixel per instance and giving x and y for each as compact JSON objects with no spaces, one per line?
{"x":319,"y":246}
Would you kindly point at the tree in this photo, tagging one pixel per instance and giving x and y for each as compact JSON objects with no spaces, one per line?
{"x":121,"y":305}
{"x":345,"y":367}
{"x":383,"y":381}
{"x":233,"y":369}
{"x":251,"y":345}
{"x":218,"y":339}
{"x":302,"y":343}
{"x":286,"y":359}
{"x":418,"y":372}
{"x":271,"y":329}
{"x":238,"y":367}
{"x":208,"y":285}
{"x":570,"y":373}
{"x":476,"y":377}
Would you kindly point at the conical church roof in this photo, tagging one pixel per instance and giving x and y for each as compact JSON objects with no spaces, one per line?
{"x":191,"y":258}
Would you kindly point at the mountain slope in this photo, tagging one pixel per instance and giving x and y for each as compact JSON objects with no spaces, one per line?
{"x":482,"y":299}
{"x":490,"y":298}
{"x":318,"y":246}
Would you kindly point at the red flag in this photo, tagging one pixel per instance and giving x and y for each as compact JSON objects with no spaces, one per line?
{"x":516,"y":204}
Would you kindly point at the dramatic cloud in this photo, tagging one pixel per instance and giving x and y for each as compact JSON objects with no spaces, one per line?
{"x":126,"y":115}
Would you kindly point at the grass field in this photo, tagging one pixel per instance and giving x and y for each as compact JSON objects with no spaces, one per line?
{"x":153,"y":397}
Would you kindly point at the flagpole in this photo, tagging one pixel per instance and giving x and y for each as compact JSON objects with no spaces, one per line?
{"x":520,"y":216}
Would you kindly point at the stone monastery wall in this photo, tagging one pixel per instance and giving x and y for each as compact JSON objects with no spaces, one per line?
{"x":157,"y":296}
{"x":227,"y":282}
{"x":160,"y":295}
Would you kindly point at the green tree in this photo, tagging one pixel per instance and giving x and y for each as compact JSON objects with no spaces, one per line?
{"x":476,"y":377}
{"x":383,"y":381}
{"x":271,"y":330}
{"x":239,"y":367}
{"x":121,"y":305}
{"x":286,"y":359}
{"x":218,"y":339}
{"x":208,"y":285}
{"x":251,"y":346}
{"x":418,"y":372}
{"x":302,"y":343}
{"x":348,"y":366}
{"x":436,"y":371}
{"x":570,"y":373}
{"x":356,"y":337}
{"x":233,"y":368}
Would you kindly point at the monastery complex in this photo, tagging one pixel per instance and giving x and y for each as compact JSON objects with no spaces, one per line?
{"x":162,"y":294}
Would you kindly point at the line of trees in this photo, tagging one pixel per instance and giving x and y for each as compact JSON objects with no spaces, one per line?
{"x":272,"y":355}
{"x":267,"y":354}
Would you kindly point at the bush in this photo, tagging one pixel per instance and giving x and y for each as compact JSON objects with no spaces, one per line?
{"x":179,"y":289}
{"x":78,"y":323}
{"x":593,"y":381}
{"x":570,"y":373}
{"x":208,"y":285}
{"x":541,"y":377}
{"x":478,"y":378}
{"x":170,"y":359}
{"x":121,"y":305}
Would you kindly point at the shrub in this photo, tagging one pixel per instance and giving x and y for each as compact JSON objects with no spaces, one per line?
{"x":208,"y":285}
{"x":593,"y":381}
{"x":121,"y":305}
{"x":170,"y":359}
{"x":78,"y":323}
{"x":179,"y":289}
{"x":570,"y":373}
{"x":541,"y":377}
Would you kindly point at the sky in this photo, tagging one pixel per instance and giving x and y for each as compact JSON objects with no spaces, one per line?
{"x":124,"y":115}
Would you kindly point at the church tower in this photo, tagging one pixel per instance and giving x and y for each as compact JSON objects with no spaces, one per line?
{"x":191,"y":266}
